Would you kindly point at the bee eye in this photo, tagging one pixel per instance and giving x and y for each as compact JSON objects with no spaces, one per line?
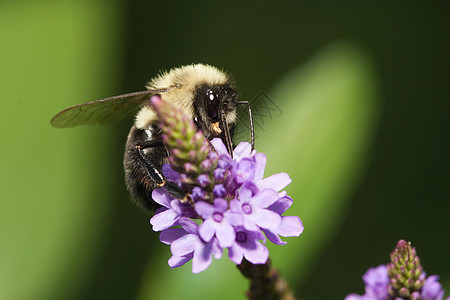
{"x":212,"y":104}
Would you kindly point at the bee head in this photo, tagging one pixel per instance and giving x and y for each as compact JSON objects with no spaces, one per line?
{"x":215,"y":108}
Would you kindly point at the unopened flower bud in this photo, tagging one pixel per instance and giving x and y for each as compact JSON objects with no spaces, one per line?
{"x":405,"y":272}
{"x":203,"y":180}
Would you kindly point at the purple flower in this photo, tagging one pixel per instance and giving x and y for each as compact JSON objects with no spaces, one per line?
{"x":244,"y":206}
{"x":376,"y":281}
{"x":377,"y":285}
{"x":253,"y":208}
{"x":244,"y":170}
{"x":219,"y":174}
{"x":243,"y":150}
{"x":217,"y":222}
{"x":290,"y":225}
{"x":354,"y":297}
{"x":169,"y":173}
{"x":168,"y":236}
{"x":220,"y":147}
{"x":198,"y":194}
{"x":277,"y":181}
{"x":432,"y":289}
{"x":203,"y":180}
{"x":359,"y":297}
{"x":247,"y":245}
{"x":170,"y":212}
{"x":219,"y":191}
{"x":185,"y":244}
{"x":225,"y":162}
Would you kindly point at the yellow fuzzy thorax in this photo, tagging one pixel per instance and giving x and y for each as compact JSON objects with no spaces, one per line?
{"x":184,"y":81}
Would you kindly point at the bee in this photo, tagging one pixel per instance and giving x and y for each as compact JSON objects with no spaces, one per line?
{"x":202,"y":92}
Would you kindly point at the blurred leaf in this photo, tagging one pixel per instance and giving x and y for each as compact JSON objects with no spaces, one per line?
{"x":329,"y":112}
{"x":327,"y":129}
{"x":52,"y":212}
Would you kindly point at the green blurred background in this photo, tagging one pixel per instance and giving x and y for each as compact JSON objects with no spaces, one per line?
{"x":362,"y":97}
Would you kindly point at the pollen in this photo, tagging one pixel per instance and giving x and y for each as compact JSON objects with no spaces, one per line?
{"x":215,"y":128}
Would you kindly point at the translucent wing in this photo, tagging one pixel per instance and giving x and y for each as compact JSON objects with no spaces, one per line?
{"x":103,"y":111}
{"x":264,"y":110}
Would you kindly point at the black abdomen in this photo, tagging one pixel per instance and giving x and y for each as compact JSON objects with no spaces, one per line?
{"x":143,"y":159}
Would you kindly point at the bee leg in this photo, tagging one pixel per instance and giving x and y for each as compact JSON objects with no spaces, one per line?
{"x":252,"y":129}
{"x":156,"y":175}
{"x":152,"y":171}
{"x":175,"y":191}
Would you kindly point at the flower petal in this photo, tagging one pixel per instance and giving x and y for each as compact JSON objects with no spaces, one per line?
{"x":282,"y":194}
{"x":169,"y":173}
{"x":169,"y":235}
{"x":260,"y":159}
{"x":185,"y":245}
{"x":266,"y":219}
{"x":220,"y":205}
{"x":163,"y":220}
{"x":225,"y":235}
{"x":241,"y":151}
{"x":234,"y":218}
{"x":432,"y":289}
{"x":202,"y":258}
{"x":219,"y":146}
{"x":177,"y":261}
{"x":250,"y":225}
{"x":235,"y":206}
{"x":290,"y":226}
{"x":276,"y":181}
{"x":207,"y":230}
{"x":244,"y":171}
{"x":377,"y":282}
{"x":273,"y":237}
{"x":264,"y":198}
{"x":236,"y":254}
{"x":204,"y":209}
{"x":281,"y":205}
{"x":217,"y":250}
{"x":177,"y":206}
{"x":161,"y":197}
{"x":188,"y":225}
{"x":247,"y":191}
{"x":258,"y":254}
{"x":353,"y":297}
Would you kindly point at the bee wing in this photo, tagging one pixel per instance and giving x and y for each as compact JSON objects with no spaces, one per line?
{"x":264,"y":110}
{"x":103,"y":111}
